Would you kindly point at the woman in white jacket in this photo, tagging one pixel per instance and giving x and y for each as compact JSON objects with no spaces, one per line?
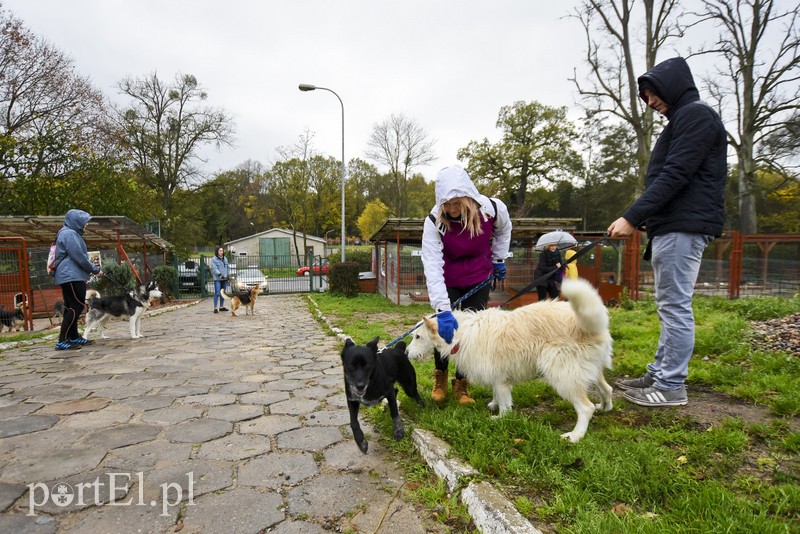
{"x":465,"y":239}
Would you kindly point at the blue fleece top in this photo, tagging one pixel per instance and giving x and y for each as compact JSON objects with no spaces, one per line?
{"x":72,"y":258}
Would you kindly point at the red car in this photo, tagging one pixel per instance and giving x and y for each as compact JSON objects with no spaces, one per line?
{"x":315,"y":268}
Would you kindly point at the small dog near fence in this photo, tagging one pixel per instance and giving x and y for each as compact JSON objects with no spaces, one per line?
{"x":12,"y":319}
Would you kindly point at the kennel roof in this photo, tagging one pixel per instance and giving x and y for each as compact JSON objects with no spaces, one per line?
{"x":103,"y":232}
{"x":409,"y":230}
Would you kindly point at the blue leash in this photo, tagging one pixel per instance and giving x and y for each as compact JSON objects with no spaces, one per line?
{"x":455,"y":305}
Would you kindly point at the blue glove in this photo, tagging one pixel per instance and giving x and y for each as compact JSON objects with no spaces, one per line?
{"x":447,"y":325}
{"x":499,"y":271}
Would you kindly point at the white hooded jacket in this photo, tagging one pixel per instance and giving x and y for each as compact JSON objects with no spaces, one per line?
{"x":454,"y":182}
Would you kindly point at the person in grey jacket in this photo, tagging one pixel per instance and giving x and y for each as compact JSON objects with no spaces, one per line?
{"x":682,"y":210}
{"x":73,"y":269}
{"x":220,"y":271}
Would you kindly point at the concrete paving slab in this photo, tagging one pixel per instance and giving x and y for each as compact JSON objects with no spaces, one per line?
{"x":146,"y":456}
{"x":75,"y":406}
{"x":246,"y":510}
{"x":278,"y":470}
{"x":234,"y":447}
{"x":198,"y":430}
{"x":26,"y":424}
{"x":309,"y":439}
{"x":270,"y":425}
{"x":52,"y":465}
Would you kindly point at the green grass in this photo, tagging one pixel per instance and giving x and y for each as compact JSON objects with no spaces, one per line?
{"x":703,"y":468}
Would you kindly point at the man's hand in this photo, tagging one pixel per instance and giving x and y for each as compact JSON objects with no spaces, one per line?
{"x":620,"y":228}
{"x":447,"y":325}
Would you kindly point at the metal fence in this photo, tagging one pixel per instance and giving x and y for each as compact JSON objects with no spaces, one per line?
{"x":273,"y":274}
{"x":734,"y":265}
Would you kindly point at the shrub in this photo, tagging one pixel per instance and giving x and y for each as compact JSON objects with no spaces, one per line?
{"x":123,"y":280}
{"x":343,"y":278}
{"x":166,"y":276}
{"x":362,"y":257}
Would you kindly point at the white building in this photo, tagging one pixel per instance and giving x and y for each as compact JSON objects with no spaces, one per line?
{"x":278,"y":247}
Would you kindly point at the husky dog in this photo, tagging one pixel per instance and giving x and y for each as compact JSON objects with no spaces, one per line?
{"x":132,"y":306}
{"x":12,"y":319}
{"x":566,"y":343}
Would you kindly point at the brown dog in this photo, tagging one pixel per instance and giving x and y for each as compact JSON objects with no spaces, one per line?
{"x":244,"y":298}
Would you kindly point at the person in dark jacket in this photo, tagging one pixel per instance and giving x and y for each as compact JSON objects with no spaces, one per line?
{"x":549,"y":260}
{"x":682,"y":210}
{"x":73,"y":269}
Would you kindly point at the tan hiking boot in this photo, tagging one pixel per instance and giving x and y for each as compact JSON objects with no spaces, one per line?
{"x":460,"y":391}
{"x":439,"y":392}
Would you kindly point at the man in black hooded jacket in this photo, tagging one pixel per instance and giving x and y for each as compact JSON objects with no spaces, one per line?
{"x":682,"y":210}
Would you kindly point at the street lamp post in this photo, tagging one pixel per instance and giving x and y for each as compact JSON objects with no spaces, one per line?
{"x":309,"y":87}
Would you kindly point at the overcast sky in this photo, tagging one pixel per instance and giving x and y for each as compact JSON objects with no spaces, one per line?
{"x":449,"y":65}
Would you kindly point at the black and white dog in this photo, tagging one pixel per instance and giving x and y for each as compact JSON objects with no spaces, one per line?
{"x":132,"y":306}
{"x":369,"y":377}
{"x":12,"y":319}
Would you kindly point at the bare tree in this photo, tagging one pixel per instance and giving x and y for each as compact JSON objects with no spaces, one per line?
{"x":757,"y":88}
{"x":400,"y":144}
{"x":163,"y":130}
{"x":51,"y":119}
{"x":614,"y":30}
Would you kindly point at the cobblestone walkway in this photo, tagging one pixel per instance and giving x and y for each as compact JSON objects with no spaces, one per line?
{"x":210,"y":423}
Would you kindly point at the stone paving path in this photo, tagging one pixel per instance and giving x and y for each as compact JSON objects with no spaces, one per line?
{"x":210,"y":423}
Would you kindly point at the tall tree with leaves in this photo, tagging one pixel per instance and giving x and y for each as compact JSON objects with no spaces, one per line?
{"x":52,"y":121}
{"x":163,"y":129}
{"x":536,"y":147}
{"x":400,"y":144}
{"x":616,"y":57}
{"x":757,"y":88}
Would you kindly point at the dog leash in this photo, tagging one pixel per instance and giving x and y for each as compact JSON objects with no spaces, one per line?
{"x":546,"y":276}
{"x":455,"y":305}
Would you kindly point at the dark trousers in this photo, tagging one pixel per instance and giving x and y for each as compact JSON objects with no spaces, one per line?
{"x":549,"y":291}
{"x":74,"y":294}
{"x":478,"y":301}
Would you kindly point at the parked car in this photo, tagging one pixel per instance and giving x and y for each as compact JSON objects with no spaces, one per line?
{"x":189,"y":275}
{"x":249,"y":277}
{"x":316,"y":268}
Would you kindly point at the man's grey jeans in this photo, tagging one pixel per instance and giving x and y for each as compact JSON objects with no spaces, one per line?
{"x":676,"y":264}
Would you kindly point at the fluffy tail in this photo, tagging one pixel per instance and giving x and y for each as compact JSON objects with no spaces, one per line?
{"x":224,"y":295}
{"x":586,"y":303}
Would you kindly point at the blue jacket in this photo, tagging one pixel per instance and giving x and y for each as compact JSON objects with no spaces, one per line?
{"x":685,"y":184}
{"x":219,"y":267}
{"x":72,"y":258}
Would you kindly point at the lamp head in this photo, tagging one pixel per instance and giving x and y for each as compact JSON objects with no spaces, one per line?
{"x":306,"y":87}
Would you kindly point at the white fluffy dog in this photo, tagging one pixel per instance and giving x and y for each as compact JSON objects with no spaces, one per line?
{"x":566,"y":343}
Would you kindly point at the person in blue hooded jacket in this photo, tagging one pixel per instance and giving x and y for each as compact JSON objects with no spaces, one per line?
{"x":73,"y":269}
{"x":682,"y":210}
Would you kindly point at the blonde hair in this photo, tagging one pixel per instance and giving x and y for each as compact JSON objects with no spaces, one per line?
{"x":470,"y":216}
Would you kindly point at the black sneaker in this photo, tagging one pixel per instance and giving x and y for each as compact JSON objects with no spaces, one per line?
{"x":223,"y":309}
{"x":81,"y":341}
{"x":644,"y":381}
{"x":66,"y":345}
{"x":216,"y":310}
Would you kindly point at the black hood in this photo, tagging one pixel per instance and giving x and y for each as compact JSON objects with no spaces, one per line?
{"x":672,"y":81}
